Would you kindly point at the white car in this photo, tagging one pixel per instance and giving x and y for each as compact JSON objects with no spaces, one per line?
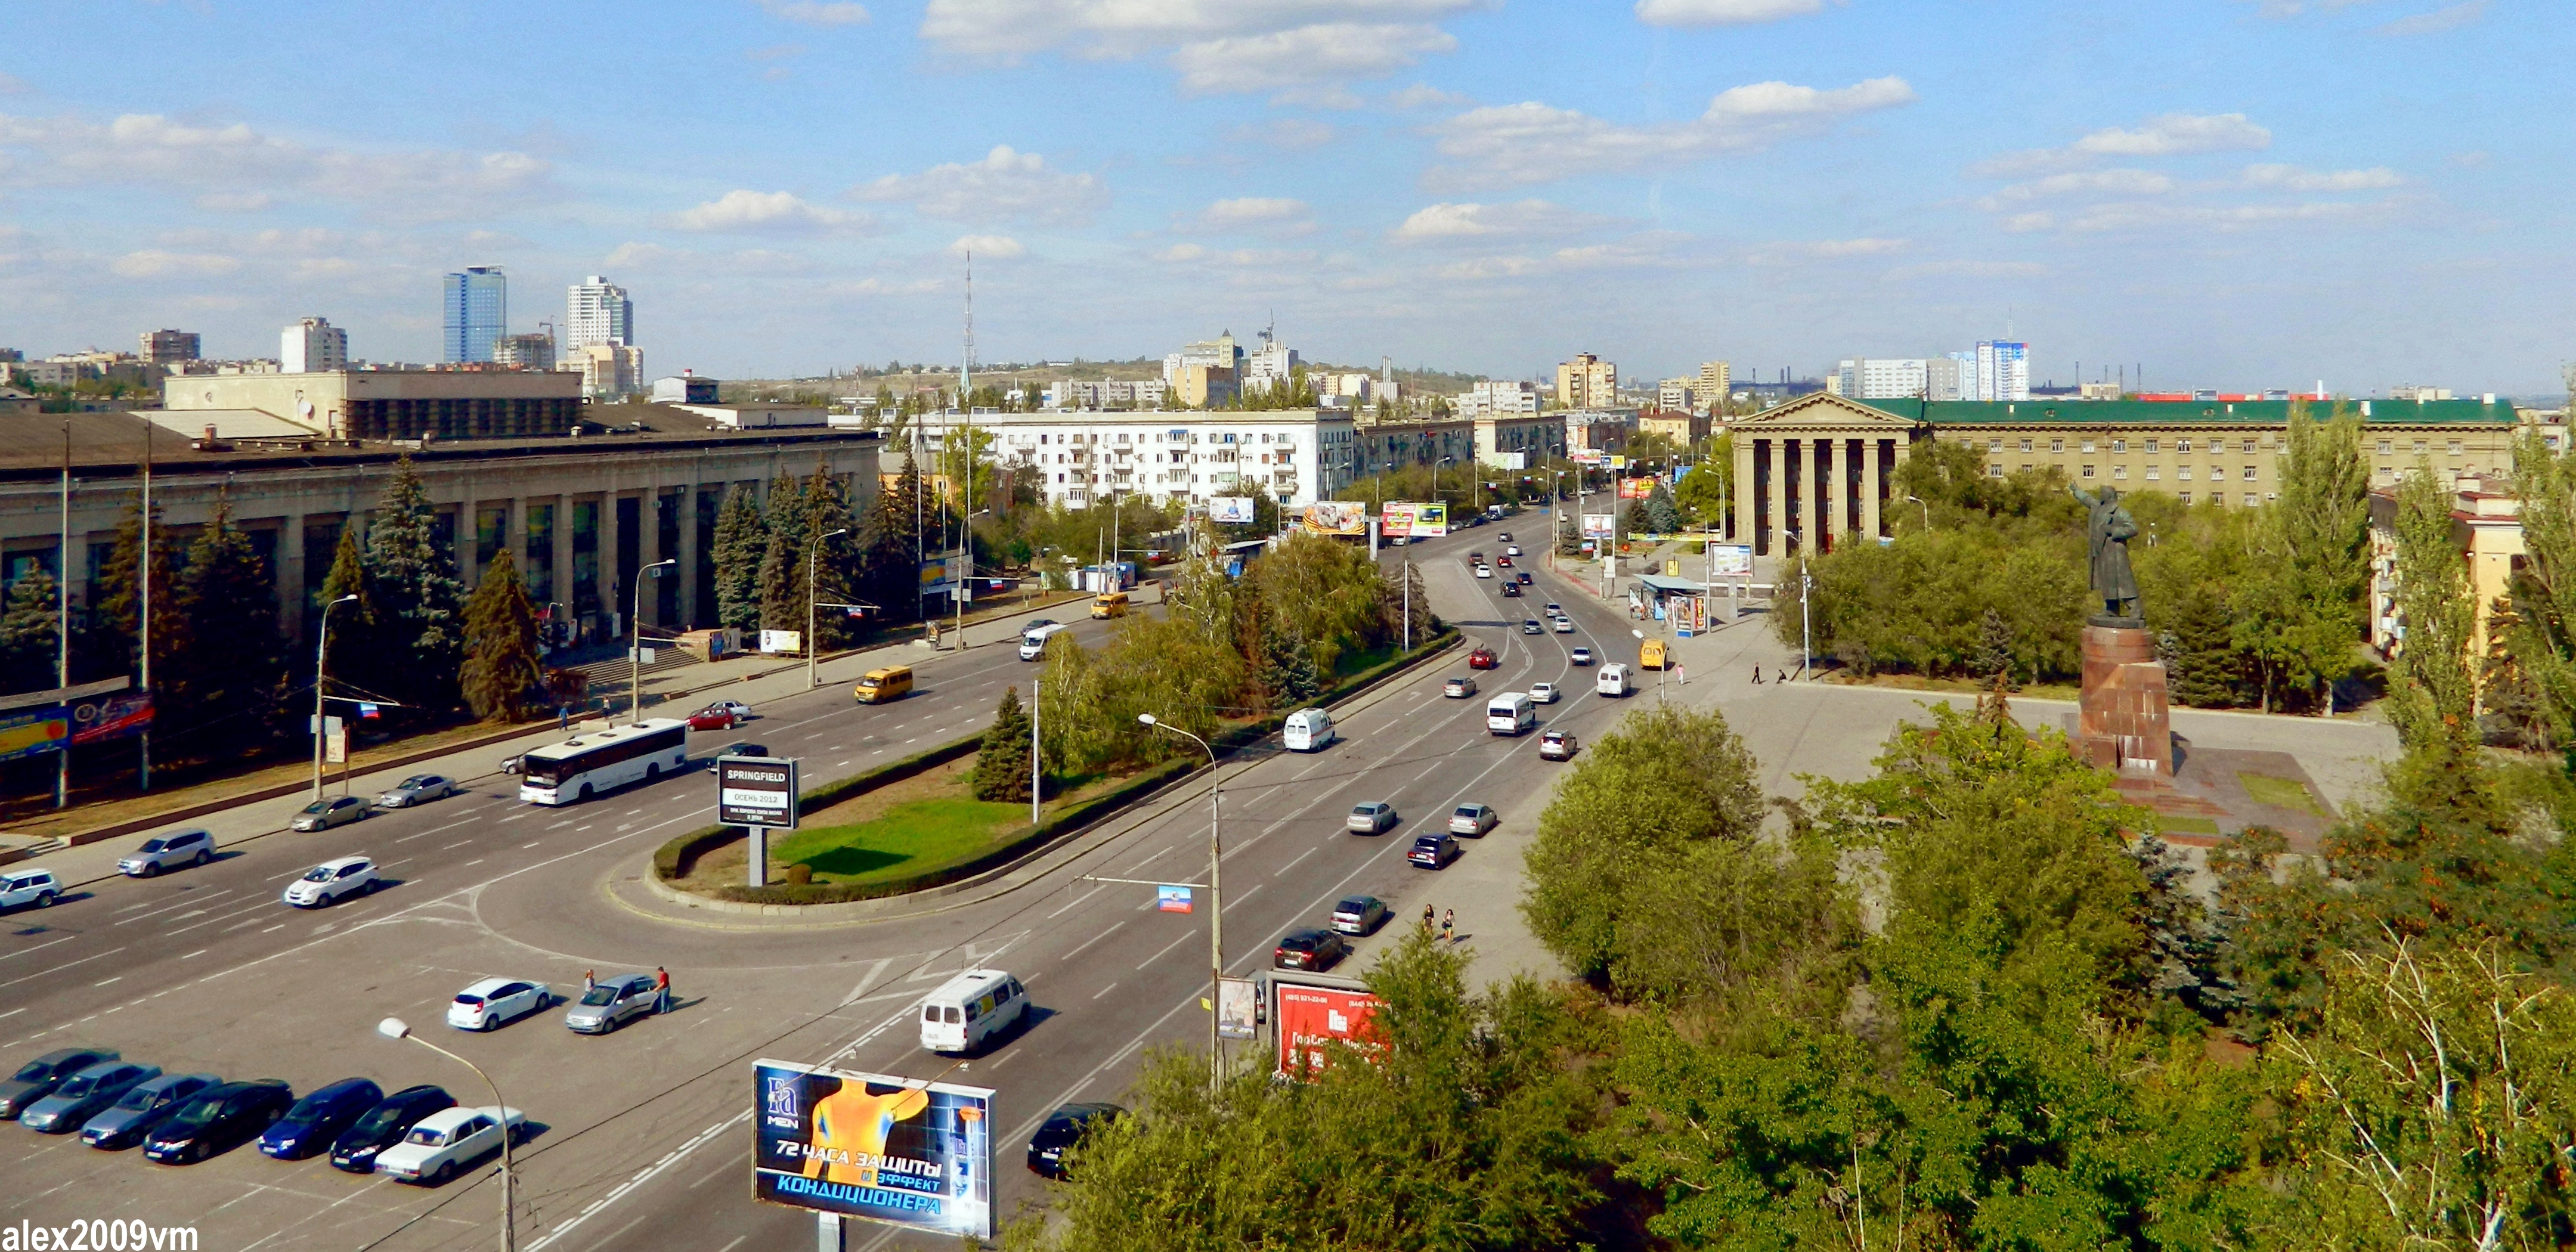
{"x":332,"y":881}
{"x":447,"y":1141}
{"x":418,"y":789}
{"x":1512,"y":550}
{"x":1564,"y":625}
{"x":1582,"y":656}
{"x":1542,"y":693}
{"x":1484,"y":571}
{"x":741,"y":711}
{"x":496,"y":1002}
{"x":36,"y":887}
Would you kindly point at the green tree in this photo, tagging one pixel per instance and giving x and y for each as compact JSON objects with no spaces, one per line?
{"x":1706,"y":495}
{"x":1657,"y":512}
{"x":29,"y":660}
{"x":224,"y":632}
{"x":741,"y":541}
{"x":1002,"y":764}
{"x":884,"y":571}
{"x":2297,"y":604}
{"x":118,"y":616}
{"x":2433,"y":702}
{"x":353,"y":655}
{"x":503,"y":663}
{"x":420,"y":597}
{"x":2542,"y":639}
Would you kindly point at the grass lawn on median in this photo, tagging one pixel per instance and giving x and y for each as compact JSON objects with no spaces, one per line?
{"x":910,"y":836}
{"x":2280,"y":793}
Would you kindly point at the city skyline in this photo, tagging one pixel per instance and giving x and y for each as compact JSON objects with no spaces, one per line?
{"x":1427,"y":179}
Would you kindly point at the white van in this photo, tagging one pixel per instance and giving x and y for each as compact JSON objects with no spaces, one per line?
{"x":1033,"y":640}
{"x":970,"y":1008}
{"x":1612,"y":682}
{"x":1308,"y":730}
{"x":1510,"y":713}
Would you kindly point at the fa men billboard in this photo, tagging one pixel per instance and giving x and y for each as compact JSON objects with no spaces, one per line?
{"x":894,"y":1150}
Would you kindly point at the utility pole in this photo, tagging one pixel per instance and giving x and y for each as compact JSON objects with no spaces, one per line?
{"x":144,"y":782}
{"x":1037,"y":755}
{"x":63,"y":621}
{"x":813,"y":554}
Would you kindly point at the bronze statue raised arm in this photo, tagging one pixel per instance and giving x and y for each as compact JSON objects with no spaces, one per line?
{"x":2107,"y":531}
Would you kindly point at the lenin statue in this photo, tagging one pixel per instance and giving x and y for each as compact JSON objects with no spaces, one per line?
{"x":2107,"y":530}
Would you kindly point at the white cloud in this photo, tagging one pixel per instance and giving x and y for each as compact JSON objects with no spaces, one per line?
{"x":1295,"y":134}
{"x":1425,"y":96}
{"x":1968,"y":269}
{"x":235,"y":201}
{"x":1722,"y":12}
{"x":237,"y":160}
{"x":152,"y":263}
{"x":2294,"y":178}
{"x":1253,"y":213}
{"x":2121,"y":182}
{"x":2450,"y":17}
{"x":1006,"y":186}
{"x":2105,"y":218}
{"x":2173,"y":134}
{"x":995,"y":247}
{"x":1794,"y":251}
{"x":1531,"y":142}
{"x":811,"y":14}
{"x":742,"y":210}
{"x":1180,"y":252}
{"x":1129,"y":27}
{"x":1288,"y":59}
{"x":1488,"y":223}
{"x":883,"y":287}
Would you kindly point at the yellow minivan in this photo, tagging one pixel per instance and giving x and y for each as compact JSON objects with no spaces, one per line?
{"x":1650,"y":654}
{"x":1109,"y":604}
{"x":880,"y":685}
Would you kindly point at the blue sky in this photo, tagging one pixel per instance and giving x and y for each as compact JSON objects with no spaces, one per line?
{"x":2237,"y":193}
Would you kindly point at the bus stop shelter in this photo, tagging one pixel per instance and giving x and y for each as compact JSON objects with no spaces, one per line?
{"x":1680,"y":603}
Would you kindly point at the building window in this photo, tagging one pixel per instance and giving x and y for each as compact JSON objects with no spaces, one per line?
{"x":2151,"y":445}
{"x":2249,"y":473}
{"x":1992,"y":445}
{"x":2422,"y":447}
{"x":2057,"y":445}
{"x":2249,"y":499}
{"x":2122,"y":445}
{"x":2025,"y":467}
{"x":2182,"y":445}
{"x":2088,"y":471}
{"x":2387,"y":471}
{"x":2088,"y":445}
{"x":2186,"y":497}
{"x":2383,"y":447}
{"x":2025,"y":445}
{"x":2455,"y":451}
{"x":1992,"y":471}
{"x":2151,"y":473}
{"x":2182,"y":473}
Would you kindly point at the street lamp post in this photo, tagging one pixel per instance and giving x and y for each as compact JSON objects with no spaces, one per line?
{"x":1216,"y":900}
{"x":635,"y":646}
{"x":813,"y":553}
{"x":1927,"y":510}
{"x":321,"y":657}
{"x":967,"y":575}
{"x":394,"y":1028}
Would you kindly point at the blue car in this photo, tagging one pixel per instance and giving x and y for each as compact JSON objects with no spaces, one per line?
{"x":385,"y":1125}
{"x":141,"y":1108}
{"x":318,"y":1118}
{"x":83,"y":1096}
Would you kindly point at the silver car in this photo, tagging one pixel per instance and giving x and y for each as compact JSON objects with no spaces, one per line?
{"x":160,"y":852}
{"x":142,"y":1108}
{"x":325,"y":814}
{"x":417,"y":789}
{"x":611,"y":1003}
{"x":83,"y":1096}
{"x":1372,"y":817}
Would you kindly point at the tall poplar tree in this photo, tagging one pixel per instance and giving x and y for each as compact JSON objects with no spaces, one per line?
{"x":223,"y":631}
{"x":501,"y":653}
{"x":742,"y":537}
{"x":353,"y":651}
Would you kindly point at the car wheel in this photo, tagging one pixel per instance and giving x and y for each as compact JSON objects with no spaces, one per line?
{"x":204,"y":855}
{"x":585,"y":791}
{"x":438,"y":1177}
{"x":152,"y":869}
{"x":652,"y":772}
{"x":369,"y":887}
{"x":45,"y":901}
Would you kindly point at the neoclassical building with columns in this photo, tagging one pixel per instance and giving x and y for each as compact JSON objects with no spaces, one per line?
{"x":1822,"y":468}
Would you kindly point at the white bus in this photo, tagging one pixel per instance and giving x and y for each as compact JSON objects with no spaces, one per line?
{"x":604,"y":760}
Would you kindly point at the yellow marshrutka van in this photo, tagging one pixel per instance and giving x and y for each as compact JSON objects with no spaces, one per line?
{"x":880,"y":685}
{"x":1650,"y":654}
{"x":1109,"y":604}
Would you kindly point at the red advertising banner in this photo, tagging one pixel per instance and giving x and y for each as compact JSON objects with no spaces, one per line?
{"x":112,"y":716}
{"x":1311,"y":1017}
{"x":1636,"y":488}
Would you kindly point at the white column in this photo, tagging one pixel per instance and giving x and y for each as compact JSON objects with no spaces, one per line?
{"x":1869,"y":488}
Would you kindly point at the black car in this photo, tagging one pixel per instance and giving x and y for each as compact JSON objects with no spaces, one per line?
{"x":218,"y":1120}
{"x":1434,"y":851}
{"x":385,"y":1125}
{"x":1062,"y":1129}
{"x":318,"y":1118}
{"x":37,"y":1078}
{"x":744,"y":749}
{"x":1316,"y":950}
{"x":1511,"y":589}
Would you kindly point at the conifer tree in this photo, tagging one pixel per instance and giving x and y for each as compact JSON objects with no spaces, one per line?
{"x":28,"y":660}
{"x":420,"y":592}
{"x":354,"y":653}
{"x":502,"y":663}
{"x":782,"y":561}
{"x":223,"y":629}
{"x":1660,"y":515}
{"x":119,"y":616}
{"x":742,"y":537}
{"x":884,"y":570}
{"x":827,"y":509}
{"x":1002,"y":765}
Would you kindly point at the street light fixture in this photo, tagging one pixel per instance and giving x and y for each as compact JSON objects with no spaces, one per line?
{"x":1216,"y":899}
{"x":635,"y":646}
{"x":813,"y":553}
{"x":395,"y":1028}
{"x":1927,"y":511}
{"x":321,"y":657}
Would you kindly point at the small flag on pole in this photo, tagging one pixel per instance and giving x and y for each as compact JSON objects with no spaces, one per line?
{"x":1170,"y":899}
{"x":367,"y":710}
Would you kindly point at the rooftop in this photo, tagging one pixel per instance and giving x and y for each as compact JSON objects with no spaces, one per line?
{"x":2190,"y":412}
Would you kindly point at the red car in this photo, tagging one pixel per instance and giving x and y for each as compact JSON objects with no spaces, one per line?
{"x":715,"y":717}
{"x":1502,"y":562}
{"x":1483,"y":658}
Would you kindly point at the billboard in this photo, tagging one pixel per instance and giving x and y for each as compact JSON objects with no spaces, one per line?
{"x":756,"y":791}
{"x":1336,"y":517}
{"x":1230,"y":510}
{"x":1238,"y":1009}
{"x":1636,"y":488}
{"x":1311,"y":1017}
{"x":104,"y":717}
{"x":1395,"y":521}
{"x":28,"y":732}
{"x":894,"y":1150}
{"x":936,"y":580}
{"x":1596,"y":525}
{"x":1430,"y":521}
{"x":1730,"y":560}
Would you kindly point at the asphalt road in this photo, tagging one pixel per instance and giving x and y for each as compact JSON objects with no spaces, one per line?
{"x":644,"y":1140}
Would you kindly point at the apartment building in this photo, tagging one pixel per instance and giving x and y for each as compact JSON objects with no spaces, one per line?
{"x":169,"y":347}
{"x":1681,"y":425}
{"x":1518,"y":441}
{"x":1587,"y":382}
{"x":1084,"y":457}
{"x":597,"y":311}
{"x":474,"y":310}
{"x":1677,"y":393}
{"x":1499,"y":397}
{"x":1716,"y":382}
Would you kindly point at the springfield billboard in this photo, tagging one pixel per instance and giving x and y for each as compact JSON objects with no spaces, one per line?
{"x":894,"y":1150}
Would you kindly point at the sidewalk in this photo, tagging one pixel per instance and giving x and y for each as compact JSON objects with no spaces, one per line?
{"x":752,"y":680}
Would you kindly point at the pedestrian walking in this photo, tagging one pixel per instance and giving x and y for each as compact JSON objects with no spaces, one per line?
{"x":589,"y":979}
{"x":563,"y":716}
{"x":1757,"y":673}
{"x":1784,"y":677}
{"x":1427,"y":916}
{"x":1449,"y":926}
{"x":1681,"y":675}
{"x":661,"y":990}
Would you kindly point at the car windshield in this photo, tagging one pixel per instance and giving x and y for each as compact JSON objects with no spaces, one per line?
{"x":318,"y":806}
{"x":378,"y":1120}
{"x":80,"y":1085}
{"x":1352,"y":906}
{"x":427,"y":1137}
{"x":319,"y":873}
{"x":469,"y":998}
{"x":153,"y":845}
{"x":1298,"y":942}
{"x":138,"y":1098}
{"x":195,"y":1115}
{"x":418,"y":780}
{"x":604,"y":993}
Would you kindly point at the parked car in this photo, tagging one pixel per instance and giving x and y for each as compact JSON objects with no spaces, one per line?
{"x":318,"y":1118}
{"x":1529,"y":626}
{"x":1371,"y":817}
{"x":1484,"y":658}
{"x":1581,"y":656}
{"x":325,"y":814}
{"x":447,"y":1141}
{"x":333,"y":881}
{"x":1542,"y":693}
{"x":418,"y":789}
{"x":217,"y":1120}
{"x":143,"y":1106}
{"x":37,"y":1078}
{"x":170,"y":851}
{"x":1359,"y":915}
{"x":496,"y":1002}
{"x":28,"y":888}
{"x":1473,"y":820}
{"x":610,"y":1003}
{"x":1458,"y":688}
{"x":1556,"y":745}
{"x":1435,"y":851}
{"x":385,"y":1125}
{"x":83,"y":1096}
{"x":1062,"y":1129}
{"x":1315,"y":950}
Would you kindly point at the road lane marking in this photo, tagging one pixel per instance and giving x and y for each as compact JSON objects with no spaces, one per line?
{"x":183,"y":902}
{"x":198,"y":953}
{"x":1104,"y":991}
{"x":1072,"y":904}
{"x":59,"y":968}
{"x":1245,"y":896}
{"x":641,"y":1177}
{"x":279,"y":926}
{"x":1166,"y":950}
{"x":1090,"y":941}
{"x":46,"y":944}
{"x":1293,"y":864}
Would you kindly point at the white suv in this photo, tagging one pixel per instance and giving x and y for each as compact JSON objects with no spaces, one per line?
{"x":160,"y":852}
{"x":29,"y":886}
{"x":331,"y":881}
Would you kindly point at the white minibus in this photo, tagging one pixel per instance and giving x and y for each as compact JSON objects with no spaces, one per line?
{"x":1308,"y":730}
{"x":1612,"y":682}
{"x":970,"y":1008}
{"x":1510,"y":713}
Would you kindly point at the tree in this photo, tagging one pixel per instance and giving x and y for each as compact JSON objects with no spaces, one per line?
{"x":225,"y":636}
{"x":2543,"y":637}
{"x":2434,"y":703}
{"x":741,"y":540}
{"x":119,"y":612}
{"x":836,"y":559}
{"x":782,"y":561}
{"x":1657,"y":513}
{"x":419,"y":592}
{"x":503,"y":661}
{"x":354,"y":655}
{"x":29,"y":660}
{"x":1002,"y":764}
{"x":1706,"y":495}
{"x":885,"y":573}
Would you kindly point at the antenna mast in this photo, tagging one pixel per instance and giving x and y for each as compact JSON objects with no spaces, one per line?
{"x":966,"y":368}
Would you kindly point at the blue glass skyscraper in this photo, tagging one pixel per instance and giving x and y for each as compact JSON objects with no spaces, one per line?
{"x":475,"y":310}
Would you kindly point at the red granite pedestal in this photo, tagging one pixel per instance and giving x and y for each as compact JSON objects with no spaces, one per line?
{"x":2124,"y":720}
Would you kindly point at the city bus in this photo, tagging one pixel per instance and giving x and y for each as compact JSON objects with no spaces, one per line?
{"x":604,"y":760}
